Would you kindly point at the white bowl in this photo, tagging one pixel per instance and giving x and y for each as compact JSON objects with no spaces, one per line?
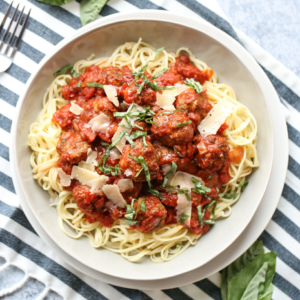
{"x":234,"y":67}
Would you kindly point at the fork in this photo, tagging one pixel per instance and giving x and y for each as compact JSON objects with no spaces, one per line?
{"x":6,"y":58}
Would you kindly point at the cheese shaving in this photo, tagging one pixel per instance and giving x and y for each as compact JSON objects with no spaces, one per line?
{"x":65,"y":179}
{"x":125,"y":184}
{"x":111,"y":93}
{"x":97,"y":184}
{"x":182,"y":178}
{"x":165,"y":101}
{"x":87,"y":166}
{"x":184,"y":206}
{"x":127,"y":172}
{"x":115,"y":153}
{"x":75,"y":109}
{"x":166,"y":168}
{"x":215,"y":118}
{"x":91,"y":157}
{"x":112,"y":192}
{"x":100,"y":123}
{"x":83,"y":175}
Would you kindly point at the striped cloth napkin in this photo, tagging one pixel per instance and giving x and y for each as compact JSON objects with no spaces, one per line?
{"x":38,"y":273}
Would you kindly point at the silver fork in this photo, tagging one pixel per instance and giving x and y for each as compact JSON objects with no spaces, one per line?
{"x":6,"y":58}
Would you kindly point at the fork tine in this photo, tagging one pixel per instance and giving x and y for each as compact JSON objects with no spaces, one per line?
{"x":7,"y":31}
{"x":14,"y":32}
{"x":5,"y":17}
{"x":19,"y":40}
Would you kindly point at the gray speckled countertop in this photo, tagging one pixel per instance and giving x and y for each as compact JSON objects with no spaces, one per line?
{"x":273,"y":24}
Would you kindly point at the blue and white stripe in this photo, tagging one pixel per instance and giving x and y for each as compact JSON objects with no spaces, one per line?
{"x":21,"y":246}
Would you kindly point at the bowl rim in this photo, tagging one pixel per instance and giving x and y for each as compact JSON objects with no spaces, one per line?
{"x":168,"y":17}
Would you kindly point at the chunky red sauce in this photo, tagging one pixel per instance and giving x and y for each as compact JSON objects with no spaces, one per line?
{"x":207,"y":157}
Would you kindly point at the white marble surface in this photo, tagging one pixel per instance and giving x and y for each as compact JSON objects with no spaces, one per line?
{"x":273,"y":24}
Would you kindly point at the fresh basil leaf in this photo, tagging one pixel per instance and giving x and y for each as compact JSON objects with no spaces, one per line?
{"x":74,"y":74}
{"x":214,"y":205}
{"x":95,"y":84}
{"x":183,"y":218}
{"x":130,"y":141}
{"x":194,"y":84}
{"x":138,"y":126}
{"x":178,"y":245}
{"x":234,"y":268}
{"x":159,"y":73}
{"x":268,"y":293}
{"x":63,"y":70}
{"x":239,"y":283}
{"x":90,"y":9}
{"x":140,"y":88}
{"x":145,"y":142}
{"x":159,"y":50}
{"x":183,"y":124}
{"x":173,"y":169}
{"x":252,"y":290}
{"x":155,"y":193}
{"x":56,"y":2}
{"x":138,"y":134}
{"x":78,"y":84}
{"x":180,"y":155}
{"x":243,"y":184}
{"x":130,"y":222}
{"x":143,"y":206}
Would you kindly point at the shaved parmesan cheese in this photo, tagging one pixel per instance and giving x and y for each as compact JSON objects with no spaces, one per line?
{"x":179,"y":88}
{"x":166,"y":168}
{"x":184,"y":206}
{"x":125,"y":184}
{"x":112,"y":192}
{"x":127,"y":172}
{"x":97,"y":184}
{"x":111,"y":93}
{"x":87,"y":166}
{"x":76,"y":109}
{"x":120,"y":129}
{"x":182,"y":178}
{"x":54,"y":201}
{"x":65,"y":179}
{"x":100,"y":123}
{"x":215,"y":118}
{"x":115,"y":153}
{"x":165,"y":101}
{"x":83,"y":175}
{"x":91,"y":157}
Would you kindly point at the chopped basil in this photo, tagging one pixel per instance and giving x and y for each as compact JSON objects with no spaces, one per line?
{"x":154,"y":86}
{"x":183,"y":124}
{"x":199,"y":187}
{"x":243,"y":184}
{"x":214,"y":205}
{"x":138,"y":134}
{"x":105,"y":144}
{"x":183,"y":218}
{"x":139,"y":172}
{"x":95,"y":84}
{"x":79,"y":84}
{"x":141,"y":88}
{"x":63,"y":70}
{"x":130,"y":222}
{"x":149,"y":121}
{"x":133,"y":157}
{"x":209,"y":222}
{"x":179,"y":191}
{"x":126,"y":126}
{"x":169,"y":112}
{"x":156,"y":193}
{"x":144,"y":141}
{"x":180,"y":155}
{"x":130,"y":141}
{"x":138,"y":126}
{"x":74,"y":74}
{"x":173,"y":169}
{"x":209,"y":177}
{"x":143,"y":206}
{"x":178,"y":245}
{"x":63,"y":141}
{"x":159,"y":73}
{"x":194,"y":84}
{"x":159,"y":50}
{"x":228,"y":195}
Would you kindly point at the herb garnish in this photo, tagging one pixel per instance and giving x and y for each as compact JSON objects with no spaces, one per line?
{"x":201,"y":215}
{"x":199,"y":187}
{"x":178,"y":245}
{"x":95,"y":84}
{"x":243,"y":185}
{"x":169,"y":112}
{"x":228,"y":195}
{"x":79,"y":84}
{"x":143,"y":206}
{"x":173,"y":169}
{"x":184,"y":123}
{"x":130,"y":141}
{"x":74,"y":74}
{"x":159,"y":73}
{"x":194,"y":84}
{"x":144,"y":141}
{"x":138,"y":126}
{"x":183,"y":218}
{"x":138,"y":134}
{"x":209,"y":177}
{"x":179,"y":191}
{"x":63,"y":70}
{"x":159,"y":50}
{"x":214,"y":205}
{"x":180,"y":155}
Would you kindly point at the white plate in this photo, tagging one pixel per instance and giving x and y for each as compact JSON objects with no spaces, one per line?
{"x":250,"y":234}
{"x":234,"y":66}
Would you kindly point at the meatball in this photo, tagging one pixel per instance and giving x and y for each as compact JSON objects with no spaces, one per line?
{"x":128,"y":195}
{"x":194,"y":224}
{"x":90,"y":204}
{"x":72,"y":148}
{"x":213,"y":151}
{"x":165,"y":155}
{"x":186,"y":68}
{"x":63,"y":117}
{"x":154,"y":216}
{"x":112,"y":75}
{"x":131,"y":167}
{"x":188,"y":100}
{"x":138,"y":125}
{"x":145,"y":98}
{"x":169,"y":131}
{"x":169,"y":78}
